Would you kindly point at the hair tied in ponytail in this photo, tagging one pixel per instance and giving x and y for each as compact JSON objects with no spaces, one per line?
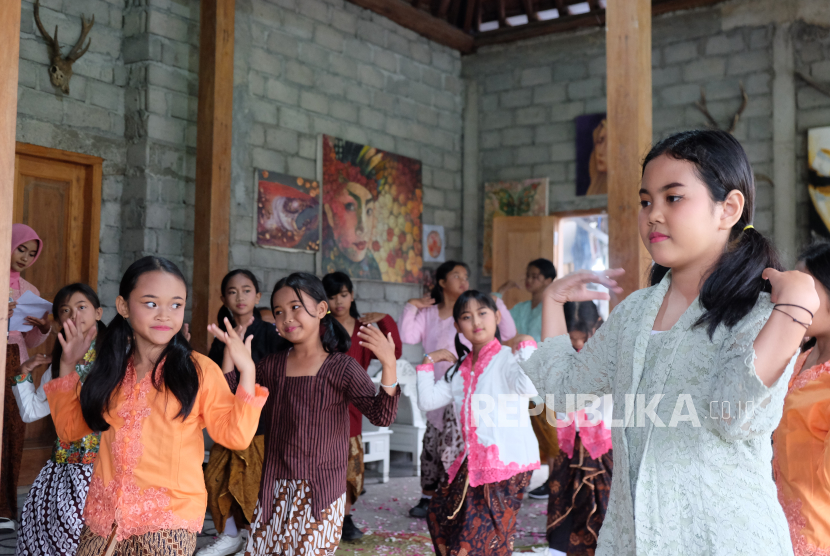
{"x":750,"y":227}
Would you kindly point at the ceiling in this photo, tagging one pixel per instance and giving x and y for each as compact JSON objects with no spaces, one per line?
{"x":466,"y":25}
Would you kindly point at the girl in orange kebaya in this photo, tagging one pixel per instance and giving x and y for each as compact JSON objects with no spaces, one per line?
{"x":802,"y":440}
{"x":150,"y":395}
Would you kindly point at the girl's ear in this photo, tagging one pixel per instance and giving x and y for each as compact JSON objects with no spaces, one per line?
{"x":498,"y":317}
{"x":322,"y":309}
{"x":99,"y":312}
{"x":456,"y":327}
{"x":258,"y":297}
{"x":733,"y":208}
{"x":122,"y":307}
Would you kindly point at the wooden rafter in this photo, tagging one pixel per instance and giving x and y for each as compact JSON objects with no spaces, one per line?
{"x":503,"y":15}
{"x":443,"y":8}
{"x":530,"y":10}
{"x":421,"y":22}
{"x":468,"y":16}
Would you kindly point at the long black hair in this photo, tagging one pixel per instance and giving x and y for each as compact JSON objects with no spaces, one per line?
{"x":816,"y":259}
{"x":334,"y":282}
{"x":180,"y":375}
{"x":334,"y":336}
{"x":441,"y":273}
{"x":62,"y":297}
{"x":224,"y":312}
{"x":483,"y":300}
{"x":732,"y":288}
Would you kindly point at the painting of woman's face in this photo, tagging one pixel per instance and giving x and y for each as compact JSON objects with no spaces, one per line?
{"x":351,"y":215}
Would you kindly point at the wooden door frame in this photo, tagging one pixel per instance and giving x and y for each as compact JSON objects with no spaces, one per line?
{"x":92,"y":197}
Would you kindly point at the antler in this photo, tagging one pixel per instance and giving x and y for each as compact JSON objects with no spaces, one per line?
{"x":86,"y":27}
{"x":737,"y":116}
{"x":701,"y":105}
{"x":54,"y":47}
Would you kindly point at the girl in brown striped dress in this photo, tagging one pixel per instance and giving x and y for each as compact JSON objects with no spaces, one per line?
{"x":303,"y":488}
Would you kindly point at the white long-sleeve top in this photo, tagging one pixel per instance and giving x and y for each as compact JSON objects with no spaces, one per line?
{"x":490,"y":400}
{"x":32,"y":402}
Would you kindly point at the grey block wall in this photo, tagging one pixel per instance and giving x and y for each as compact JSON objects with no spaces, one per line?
{"x":532,"y":92}
{"x":90,"y":119}
{"x":310,"y":67}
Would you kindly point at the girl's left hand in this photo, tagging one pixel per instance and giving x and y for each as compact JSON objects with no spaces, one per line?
{"x":371,"y":318}
{"x":186,"y":332}
{"x":240,"y":351}
{"x":513,"y":343}
{"x":41,"y":324}
{"x":382,"y":346}
{"x":793,"y":287}
{"x":33,"y":363}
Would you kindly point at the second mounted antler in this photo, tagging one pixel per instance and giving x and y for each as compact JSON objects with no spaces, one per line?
{"x":701,"y":105}
{"x":60,"y":70}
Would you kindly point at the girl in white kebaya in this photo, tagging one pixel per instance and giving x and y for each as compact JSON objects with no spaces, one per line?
{"x":489,"y":461}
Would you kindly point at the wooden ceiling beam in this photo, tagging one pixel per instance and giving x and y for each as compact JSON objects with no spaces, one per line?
{"x":530,"y":10}
{"x":443,"y":8}
{"x":421,"y":22}
{"x":503,"y":15}
{"x":468,"y":16}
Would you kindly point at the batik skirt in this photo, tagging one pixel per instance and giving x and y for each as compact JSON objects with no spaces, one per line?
{"x":52,"y":517}
{"x":167,"y":542}
{"x":232,"y":481}
{"x":579,"y":491}
{"x":481,"y":520}
{"x":291,"y":529}
{"x":14,"y":432}
{"x":354,"y":468}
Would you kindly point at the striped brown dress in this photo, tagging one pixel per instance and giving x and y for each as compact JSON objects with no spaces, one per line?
{"x":307,"y":449}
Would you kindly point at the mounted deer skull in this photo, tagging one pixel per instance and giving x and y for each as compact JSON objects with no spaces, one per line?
{"x":60,"y":72}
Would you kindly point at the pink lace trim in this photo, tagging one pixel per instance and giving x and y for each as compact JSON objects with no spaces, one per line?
{"x":257,"y":400}
{"x":122,"y":501}
{"x":595,"y":437}
{"x":425,"y":368}
{"x":63,"y":384}
{"x":526,"y":343}
{"x":803,"y":378}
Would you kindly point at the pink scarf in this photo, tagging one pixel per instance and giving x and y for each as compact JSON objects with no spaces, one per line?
{"x":21,"y":233}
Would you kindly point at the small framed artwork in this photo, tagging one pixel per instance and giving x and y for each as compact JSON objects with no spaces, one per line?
{"x":591,"y":154}
{"x":287,"y":212}
{"x":434,"y":244}
{"x":818,"y":183}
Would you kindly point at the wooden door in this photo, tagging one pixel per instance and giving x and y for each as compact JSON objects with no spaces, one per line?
{"x":58,"y":194}
{"x":517,"y":240}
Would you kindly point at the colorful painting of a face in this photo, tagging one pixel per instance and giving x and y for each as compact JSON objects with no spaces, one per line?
{"x":591,"y":154}
{"x":288,"y":210}
{"x":818,"y":185}
{"x":371,"y":212}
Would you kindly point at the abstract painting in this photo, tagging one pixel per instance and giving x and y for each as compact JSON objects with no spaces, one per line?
{"x":591,"y":154}
{"x":372,"y":205}
{"x":818,"y":160}
{"x":511,"y":198}
{"x":287,"y":212}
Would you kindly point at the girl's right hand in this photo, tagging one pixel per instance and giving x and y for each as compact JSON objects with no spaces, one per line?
{"x":423,"y":302}
{"x":12,"y":305}
{"x":573,"y":287}
{"x":33,"y":363}
{"x":240,"y":351}
{"x":793,"y":287}
{"x":507,"y":286}
{"x":441,"y":355}
{"x":75,"y":344}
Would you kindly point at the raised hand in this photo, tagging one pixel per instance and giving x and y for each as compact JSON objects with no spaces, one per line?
{"x":239,"y":350}
{"x":573,"y":287}
{"x":440,"y":355}
{"x":422,"y":302}
{"x":507,"y":286}
{"x":33,"y":363}
{"x":382,"y":346}
{"x":42,"y":324}
{"x":74,"y":344}
{"x":371,"y":318}
{"x":795,"y":288}
{"x":12,"y":305}
{"x":513,"y":343}
{"x":186,"y":332}
{"x":241,"y":328}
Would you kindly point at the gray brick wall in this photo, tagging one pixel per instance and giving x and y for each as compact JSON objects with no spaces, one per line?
{"x":90,"y":119}
{"x":812,"y":57}
{"x":309,"y":67}
{"x":531,"y":92}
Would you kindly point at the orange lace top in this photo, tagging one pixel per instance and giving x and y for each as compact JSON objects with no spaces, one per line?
{"x":148,"y":475}
{"x":802,"y":459}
